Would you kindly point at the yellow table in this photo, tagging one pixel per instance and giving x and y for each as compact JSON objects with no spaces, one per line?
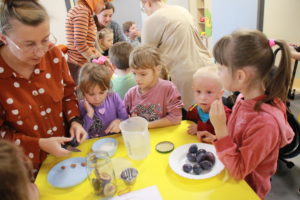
{"x":154,"y":170}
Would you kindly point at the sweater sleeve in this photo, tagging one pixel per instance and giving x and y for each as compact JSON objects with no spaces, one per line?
{"x":121,"y":110}
{"x":259,"y":142}
{"x":174,"y":105}
{"x":152,"y":32}
{"x":81,"y":22}
{"x":118,"y":33}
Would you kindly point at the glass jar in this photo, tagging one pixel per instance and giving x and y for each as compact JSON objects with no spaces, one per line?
{"x":101,"y":174}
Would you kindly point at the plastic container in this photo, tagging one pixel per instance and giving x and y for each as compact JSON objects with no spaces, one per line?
{"x":136,"y":137}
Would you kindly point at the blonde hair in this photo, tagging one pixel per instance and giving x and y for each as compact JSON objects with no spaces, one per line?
{"x":15,"y":172}
{"x":25,"y":11}
{"x":101,"y":35}
{"x":91,"y":75}
{"x":210,"y":72}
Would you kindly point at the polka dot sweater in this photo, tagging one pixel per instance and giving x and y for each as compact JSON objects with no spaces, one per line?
{"x":36,"y":107}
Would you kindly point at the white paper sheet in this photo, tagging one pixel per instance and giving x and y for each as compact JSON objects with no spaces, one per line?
{"x":149,"y":193}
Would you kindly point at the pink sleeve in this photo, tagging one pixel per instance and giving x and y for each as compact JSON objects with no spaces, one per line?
{"x":258,"y":144}
{"x":174,"y":104}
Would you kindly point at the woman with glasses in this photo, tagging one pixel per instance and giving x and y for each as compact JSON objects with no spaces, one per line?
{"x":172,"y":30}
{"x":37,"y":99}
{"x":81,"y":34}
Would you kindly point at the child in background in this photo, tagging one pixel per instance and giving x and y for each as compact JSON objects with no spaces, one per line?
{"x":207,"y":87}
{"x":119,"y":57}
{"x":104,"y":41}
{"x":101,"y":110}
{"x":154,"y":99}
{"x":132,"y":33}
{"x":15,"y":174}
{"x":257,"y":128}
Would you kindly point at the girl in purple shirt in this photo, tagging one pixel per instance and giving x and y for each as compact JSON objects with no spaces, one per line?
{"x":101,"y":110}
{"x":154,"y":99}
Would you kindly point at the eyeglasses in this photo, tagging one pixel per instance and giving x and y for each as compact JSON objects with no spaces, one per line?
{"x":143,"y":6}
{"x":32,"y":47}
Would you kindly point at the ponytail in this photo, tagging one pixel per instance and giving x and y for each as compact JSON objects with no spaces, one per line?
{"x":278,"y":82}
{"x":28,"y":12}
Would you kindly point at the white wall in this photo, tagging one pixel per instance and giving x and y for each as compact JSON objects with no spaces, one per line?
{"x":281,"y":20}
{"x":57,"y":13}
{"x":229,"y":15}
{"x":127,"y":10}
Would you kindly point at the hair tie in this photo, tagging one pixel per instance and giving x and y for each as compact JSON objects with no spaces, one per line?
{"x":272,"y":43}
{"x":101,"y":60}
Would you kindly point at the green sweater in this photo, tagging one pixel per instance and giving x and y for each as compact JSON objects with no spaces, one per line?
{"x":121,"y":84}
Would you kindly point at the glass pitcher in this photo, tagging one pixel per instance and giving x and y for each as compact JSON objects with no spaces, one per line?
{"x":101,"y":174}
{"x":136,"y":137}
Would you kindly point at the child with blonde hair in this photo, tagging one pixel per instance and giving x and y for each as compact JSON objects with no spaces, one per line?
{"x":15,"y":174}
{"x":104,"y":41}
{"x":101,"y":110}
{"x":249,"y":144}
{"x":207,"y":87}
{"x":154,"y":99}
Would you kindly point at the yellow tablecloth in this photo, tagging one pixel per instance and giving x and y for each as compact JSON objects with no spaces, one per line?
{"x":154,"y":170}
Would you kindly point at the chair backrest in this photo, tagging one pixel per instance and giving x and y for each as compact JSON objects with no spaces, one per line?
{"x":293,"y":149}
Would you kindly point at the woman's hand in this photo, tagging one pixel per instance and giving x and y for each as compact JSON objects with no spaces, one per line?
{"x":89,"y":109}
{"x":53,"y":146}
{"x":206,"y":136}
{"x":192,"y":129}
{"x":77,"y":131}
{"x":113,"y":127}
{"x":217,"y":117}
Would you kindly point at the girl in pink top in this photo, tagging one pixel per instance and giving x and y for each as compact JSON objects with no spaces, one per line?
{"x":257,"y":128}
{"x":154,"y":99}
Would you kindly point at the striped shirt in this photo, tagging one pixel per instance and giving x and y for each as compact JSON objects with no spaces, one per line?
{"x":80,"y":33}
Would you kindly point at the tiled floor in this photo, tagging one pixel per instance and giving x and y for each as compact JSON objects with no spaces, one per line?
{"x":286,"y":182}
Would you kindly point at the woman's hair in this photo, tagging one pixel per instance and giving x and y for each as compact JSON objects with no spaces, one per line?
{"x":28,"y":12}
{"x":101,"y":35}
{"x":91,"y":75}
{"x":108,"y":6}
{"x":144,"y":57}
{"x":251,"y":48}
{"x":15,"y":172}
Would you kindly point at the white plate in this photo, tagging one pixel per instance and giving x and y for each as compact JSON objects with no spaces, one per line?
{"x":68,"y":177}
{"x":178,"y":158}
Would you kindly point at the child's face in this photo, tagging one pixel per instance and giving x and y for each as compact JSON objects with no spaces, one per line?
{"x":146,"y":78}
{"x":206,"y":90}
{"x":107,"y":41}
{"x":95,"y":96}
{"x":133,"y":31}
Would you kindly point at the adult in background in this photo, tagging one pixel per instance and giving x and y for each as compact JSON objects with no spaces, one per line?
{"x":81,"y":34}
{"x":172,"y":30}
{"x":38,"y":94}
{"x":104,"y":19}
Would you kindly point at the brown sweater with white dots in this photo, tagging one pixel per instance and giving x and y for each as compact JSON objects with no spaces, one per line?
{"x":36,"y":107}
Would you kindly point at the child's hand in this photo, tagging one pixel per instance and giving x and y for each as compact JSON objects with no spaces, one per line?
{"x":206,"y":136}
{"x":217,"y":117}
{"x":192,"y":129}
{"x":89,"y":109}
{"x":113,"y":127}
{"x":53,"y":146}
